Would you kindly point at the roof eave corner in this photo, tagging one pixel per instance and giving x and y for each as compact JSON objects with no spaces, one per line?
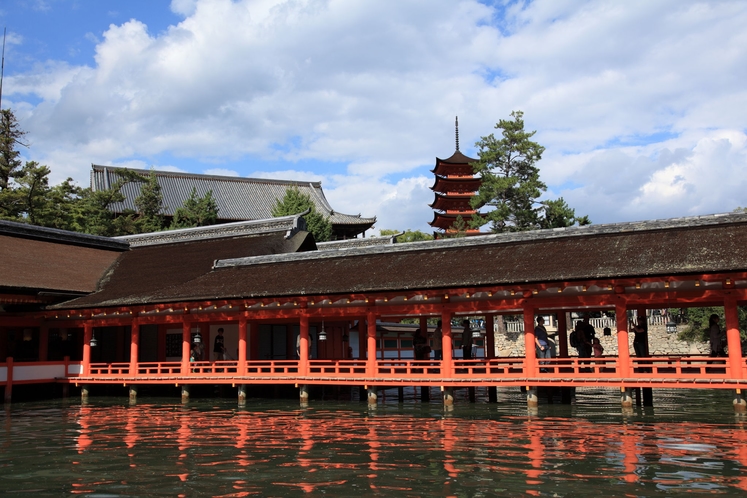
{"x":299,"y":224}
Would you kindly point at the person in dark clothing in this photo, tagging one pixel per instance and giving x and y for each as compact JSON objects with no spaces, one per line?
{"x":466,"y":340}
{"x":219,"y":349}
{"x":640,"y":342}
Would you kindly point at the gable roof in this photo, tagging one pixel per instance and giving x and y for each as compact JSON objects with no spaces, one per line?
{"x":685,"y":246}
{"x":36,"y":260}
{"x":167,"y":262}
{"x":237,"y":198}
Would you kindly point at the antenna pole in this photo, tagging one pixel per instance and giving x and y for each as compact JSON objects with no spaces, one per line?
{"x":456,"y":125}
{"x":2,"y":70}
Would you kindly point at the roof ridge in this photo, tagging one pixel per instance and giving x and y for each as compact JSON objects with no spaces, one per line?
{"x":499,"y":238}
{"x":12,"y":228}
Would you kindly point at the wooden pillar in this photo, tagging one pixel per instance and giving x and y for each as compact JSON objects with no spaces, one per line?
{"x":449,"y":396}
{"x":489,"y":336}
{"x":134,"y":346}
{"x":243,"y":330}
{"x":8,"y":379}
{"x":303,"y":394}
{"x":733,"y":341}
{"x":242,"y":391}
{"x":490,"y":352}
{"x":447,"y":364}
{"x":562,"y":335}
{"x":84,"y":392}
{"x":303,"y":362}
{"x":185,"y":393}
{"x":371,"y":346}
{"x":186,"y":348}
{"x":623,"y":349}
{"x":87,"y":335}
{"x":43,"y":341}
{"x":133,"y":394}
{"x":530,"y":353}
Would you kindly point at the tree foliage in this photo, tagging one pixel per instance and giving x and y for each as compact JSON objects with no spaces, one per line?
{"x":11,"y":136}
{"x":196,"y":211}
{"x":511,"y":185}
{"x":696,"y":326}
{"x":294,"y":202}
{"x":149,"y":205}
{"x":407,"y":236}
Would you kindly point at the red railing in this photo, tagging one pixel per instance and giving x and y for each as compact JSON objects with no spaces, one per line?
{"x":562,"y":371}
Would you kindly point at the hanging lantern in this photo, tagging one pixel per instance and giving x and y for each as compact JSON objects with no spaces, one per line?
{"x":322,"y":333}
{"x":93,"y":342}
{"x":476,"y":334}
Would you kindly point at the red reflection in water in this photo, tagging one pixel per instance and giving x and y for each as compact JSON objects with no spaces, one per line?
{"x":330,"y":449}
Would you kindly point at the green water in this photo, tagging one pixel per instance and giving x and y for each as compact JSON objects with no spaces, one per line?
{"x":690,"y":443}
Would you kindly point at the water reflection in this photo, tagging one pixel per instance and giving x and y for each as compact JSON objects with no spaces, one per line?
{"x":212,"y":448}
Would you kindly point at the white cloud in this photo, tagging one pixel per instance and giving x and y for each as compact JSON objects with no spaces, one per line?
{"x":634,"y":100}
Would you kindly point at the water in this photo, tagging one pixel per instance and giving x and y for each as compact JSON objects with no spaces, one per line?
{"x":690,"y":442}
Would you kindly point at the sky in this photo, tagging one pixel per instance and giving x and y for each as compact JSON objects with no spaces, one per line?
{"x":640,"y":105}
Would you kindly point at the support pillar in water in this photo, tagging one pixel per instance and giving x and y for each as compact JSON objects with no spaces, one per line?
{"x":303,"y":393}
{"x":471,"y":391}
{"x":401,"y":394}
{"x":84,"y":390}
{"x":448,"y":396}
{"x":740,"y":406}
{"x":492,"y":394}
{"x":65,"y":391}
{"x":242,"y":394}
{"x":425,"y":394}
{"x":532,"y":400}
{"x":133,"y":395}
{"x":185,"y":393}
{"x":372,"y":396}
{"x":626,"y":398}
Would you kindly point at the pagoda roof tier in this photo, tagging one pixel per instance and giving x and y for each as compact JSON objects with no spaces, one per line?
{"x":457,"y":164}
{"x":456,"y":202}
{"x":456,"y":185}
{"x":445,"y":221}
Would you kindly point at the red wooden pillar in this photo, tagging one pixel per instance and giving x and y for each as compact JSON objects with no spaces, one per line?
{"x":303,"y":366}
{"x":732,"y":337}
{"x":87,"y":335}
{"x":447,"y":364}
{"x":623,"y":349}
{"x":186,"y":346}
{"x":243,"y":326}
{"x":134,"y":345}
{"x":530,"y":354}
{"x":489,"y":336}
{"x":371,"y":345}
{"x":43,"y":341}
{"x":562,"y":335}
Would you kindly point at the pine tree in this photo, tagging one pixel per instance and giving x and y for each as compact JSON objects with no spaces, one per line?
{"x":11,"y":136}
{"x":150,"y":205}
{"x":196,"y":211}
{"x":511,"y":184}
{"x":295,"y":202}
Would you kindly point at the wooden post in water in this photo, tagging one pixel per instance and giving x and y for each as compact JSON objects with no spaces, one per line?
{"x":303,"y":394}
{"x":626,"y":400}
{"x":133,"y":394}
{"x":242,"y":394}
{"x":8,"y":379}
{"x":84,"y":391}
{"x":532,"y":400}
{"x":373,"y":396}
{"x":448,"y":396}
{"x":185,"y":393}
{"x":740,"y":405}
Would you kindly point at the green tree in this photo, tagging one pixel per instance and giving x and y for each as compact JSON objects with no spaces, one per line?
{"x":696,"y":320}
{"x":407,"y":236}
{"x":196,"y":211}
{"x":511,"y":185}
{"x":11,"y":136}
{"x":94,"y":215}
{"x":294,"y":202}
{"x":150,"y":205}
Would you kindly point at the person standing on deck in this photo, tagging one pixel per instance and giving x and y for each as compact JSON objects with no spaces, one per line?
{"x":466,"y":340}
{"x":438,"y":349}
{"x":640,"y":342}
{"x":218,"y":347}
{"x":420,"y":346}
{"x":540,"y":339}
{"x":716,"y":336}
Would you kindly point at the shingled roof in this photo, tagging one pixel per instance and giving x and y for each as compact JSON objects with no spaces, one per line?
{"x":163,"y":262}
{"x":685,"y":246}
{"x":37,"y":261}
{"x":237,"y":198}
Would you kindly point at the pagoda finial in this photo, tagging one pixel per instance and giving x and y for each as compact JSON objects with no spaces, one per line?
{"x":456,"y":124}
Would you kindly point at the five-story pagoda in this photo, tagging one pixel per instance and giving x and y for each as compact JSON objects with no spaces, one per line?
{"x":455,"y":186}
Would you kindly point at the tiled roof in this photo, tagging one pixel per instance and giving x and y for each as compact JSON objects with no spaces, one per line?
{"x":356,"y":243}
{"x":237,"y":198}
{"x":685,"y":246}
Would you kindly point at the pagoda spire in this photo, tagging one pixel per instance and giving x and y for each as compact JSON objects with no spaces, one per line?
{"x":456,"y":125}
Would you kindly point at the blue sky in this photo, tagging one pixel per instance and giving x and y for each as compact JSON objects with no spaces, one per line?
{"x":639,"y":104}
